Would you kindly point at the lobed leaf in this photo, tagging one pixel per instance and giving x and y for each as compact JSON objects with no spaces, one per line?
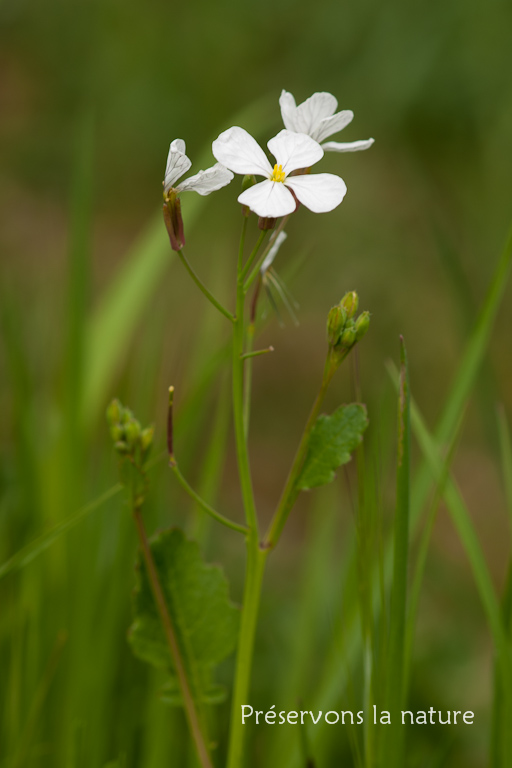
{"x":204,"y":619}
{"x":332,"y":441}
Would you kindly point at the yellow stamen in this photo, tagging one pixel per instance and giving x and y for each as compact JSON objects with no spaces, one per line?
{"x":278,"y":174}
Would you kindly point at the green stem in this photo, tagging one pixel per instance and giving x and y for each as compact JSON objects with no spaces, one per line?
{"x":255,"y":555}
{"x":256,"y":559}
{"x":254,"y":274}
{"x":202,"y":503}
{"x":253,"y":255}
{"x":290,"y":492}
{"x":203,"y":288}
{"x":247,"y":357}
{"x":257,"y":352}
{"x":156,"y":588}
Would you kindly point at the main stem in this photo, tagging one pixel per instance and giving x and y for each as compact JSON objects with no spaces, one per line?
{"x":188,"y":700}
{"x":256,"y":556}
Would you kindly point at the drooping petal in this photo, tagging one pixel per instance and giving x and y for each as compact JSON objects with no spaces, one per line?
{"x":347,"y":146}
{"x":269,"y":199}
{"x":288,"y":109}
{"x":320,"y":192}
{"x":309,"y":114}
{"x":295,"y":150}
{"x":207,"y":181}
{"x":269,"y":258}
{"x":178,"y":145}
{"x":333,"y":124}
{"x":238,"y":151}
{"x":177,"y":163}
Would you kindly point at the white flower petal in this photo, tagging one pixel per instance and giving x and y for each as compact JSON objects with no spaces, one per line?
{"x":177,"y":163}
{"x":309,"y":114}
{"x":269,"y":258}
{"x":347,"y":146}
{"x":288,"y":109}
{"x":333,"y":124}
{"x":238,"y":151}
{"x":268,"y":199}
{"x":295,"y":150}
{"x":178,"y":145}
{"x":207,"y":181}
{"x":320,"y":192}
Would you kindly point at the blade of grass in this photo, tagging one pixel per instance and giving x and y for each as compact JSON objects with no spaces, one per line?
{"x":25,"y":555}
{"x":392,"y":749}
{"x":467,"y":372}
{"x":80,"y":246}
{"x":499,"y":724}
{"x":469,"y":539}
{"x":422,"y":555}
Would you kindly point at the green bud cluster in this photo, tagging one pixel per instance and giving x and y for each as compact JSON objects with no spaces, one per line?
{"x":344,"y":330}
{"x":129,"y":438}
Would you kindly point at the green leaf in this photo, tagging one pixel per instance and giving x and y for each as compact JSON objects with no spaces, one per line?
{"x":204,"y":619}
{"x":332,"y":441}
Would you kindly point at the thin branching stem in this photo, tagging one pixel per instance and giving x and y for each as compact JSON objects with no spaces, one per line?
{"x":158,"y":594}
{"x":203,"y":504}
{"x":211,"y":298}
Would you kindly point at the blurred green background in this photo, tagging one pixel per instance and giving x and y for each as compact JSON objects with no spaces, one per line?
{"x":94,"y":305}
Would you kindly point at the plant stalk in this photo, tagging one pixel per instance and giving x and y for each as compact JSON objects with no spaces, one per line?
{"x":255,"y":555}
{"x":156,"y":587}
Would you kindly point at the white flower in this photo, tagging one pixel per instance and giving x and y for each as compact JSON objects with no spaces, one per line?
{"x":316,"y":118}
{"x":203,"y":182}
{"x":321,"y":192}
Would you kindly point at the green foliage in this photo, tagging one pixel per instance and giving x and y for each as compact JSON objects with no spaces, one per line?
{"x":331,"y":444}
{"x":204,"y":619}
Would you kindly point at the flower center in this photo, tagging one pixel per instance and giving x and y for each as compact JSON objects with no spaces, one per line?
{"x":278,"y":174}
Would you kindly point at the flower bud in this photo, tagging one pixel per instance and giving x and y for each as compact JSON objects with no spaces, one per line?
{"x":132,"y":432}
{"x":350,"y":303}
{"x":146,"y":438}
{"x":248,"y":181}
{"x":116,"y":432}
{"x":114,"y":413}
{"x":362,"y":325}
{"x":336,"y":320}
{"x":348,"y":338}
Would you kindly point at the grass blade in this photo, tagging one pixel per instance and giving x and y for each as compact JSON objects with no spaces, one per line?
{"x":468,"y":370}
{"x":393,"y":741}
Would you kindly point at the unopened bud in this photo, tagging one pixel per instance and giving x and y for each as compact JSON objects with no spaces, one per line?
{"x":132,"y":432}
{"x":248,"y":181}
{"x":362,"y":325}
{"x":350,"y":303}
{"x":116,"y":432}
{"x":114,"y":412}
{"x":348,"y":338}
{"x":146,"y":438}
{"x":336,"y":320}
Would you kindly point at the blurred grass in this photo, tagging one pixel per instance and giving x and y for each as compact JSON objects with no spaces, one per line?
{"x":92,"y":305}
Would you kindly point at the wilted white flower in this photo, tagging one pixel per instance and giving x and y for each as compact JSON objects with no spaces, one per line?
{"x":316,"y":117}
{"x":203,"y":182}
{"x":238,"y":151}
